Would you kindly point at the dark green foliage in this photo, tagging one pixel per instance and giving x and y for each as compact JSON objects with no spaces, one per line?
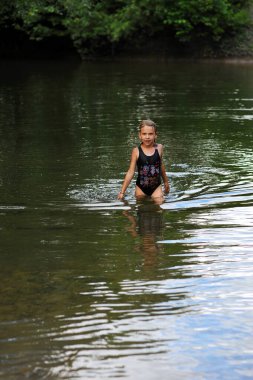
{"x":92,"y":23}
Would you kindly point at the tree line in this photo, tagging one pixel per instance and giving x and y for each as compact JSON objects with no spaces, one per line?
{"x":94,"y":25}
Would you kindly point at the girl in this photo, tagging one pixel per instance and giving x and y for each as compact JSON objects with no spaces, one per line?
{"x":148,"y":159}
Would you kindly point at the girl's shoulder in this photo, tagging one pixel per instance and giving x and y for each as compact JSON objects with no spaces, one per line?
{"x":135,"y":152}
{"x":159,"y":147}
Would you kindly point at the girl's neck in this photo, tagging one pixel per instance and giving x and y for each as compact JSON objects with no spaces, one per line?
{"x":148,"y":149}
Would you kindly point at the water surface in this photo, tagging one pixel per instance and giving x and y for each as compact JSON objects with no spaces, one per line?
{"x":94,"y":288}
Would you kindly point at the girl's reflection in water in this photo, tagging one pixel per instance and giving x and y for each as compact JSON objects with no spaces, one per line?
{"x":146,"y":226}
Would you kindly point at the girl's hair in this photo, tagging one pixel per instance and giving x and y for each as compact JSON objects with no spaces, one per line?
{"x":148,"y":123}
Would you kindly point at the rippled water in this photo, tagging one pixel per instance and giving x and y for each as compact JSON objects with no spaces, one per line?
{"x":95,"y":288}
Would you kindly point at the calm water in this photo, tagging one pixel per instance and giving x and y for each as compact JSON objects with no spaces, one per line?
{"x":92,"y":288}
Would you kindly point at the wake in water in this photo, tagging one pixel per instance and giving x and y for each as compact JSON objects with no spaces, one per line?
{"x":95,"y":191}
{"x":201,"y":187}
{"x":208,"y":188}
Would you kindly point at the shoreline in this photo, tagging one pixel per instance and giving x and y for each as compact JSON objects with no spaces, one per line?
{"x":130,"y":58}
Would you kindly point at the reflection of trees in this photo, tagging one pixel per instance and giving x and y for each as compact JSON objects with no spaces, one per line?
{"x":36,"y":126}
{"x":82,"y":118}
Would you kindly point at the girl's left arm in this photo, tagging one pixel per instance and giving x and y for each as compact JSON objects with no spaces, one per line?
{"x":163,"y":172}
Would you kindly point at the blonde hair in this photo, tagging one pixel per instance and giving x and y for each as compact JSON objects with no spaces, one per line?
{"x":148,"y":123}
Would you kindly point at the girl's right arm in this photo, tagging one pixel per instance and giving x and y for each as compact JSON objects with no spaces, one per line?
{"x":129,"y":174}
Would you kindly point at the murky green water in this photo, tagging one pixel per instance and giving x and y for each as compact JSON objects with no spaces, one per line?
{"x":92,"y":288}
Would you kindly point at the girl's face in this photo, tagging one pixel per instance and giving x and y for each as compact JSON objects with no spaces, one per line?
{"x":147,"y":135}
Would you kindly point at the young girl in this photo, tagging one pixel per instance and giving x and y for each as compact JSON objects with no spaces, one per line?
{"x":148,"y":159}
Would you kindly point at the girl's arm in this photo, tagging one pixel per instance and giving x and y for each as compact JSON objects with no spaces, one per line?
{"x":129,"y":174}
{"x":165,"y":179}
{"x":163,"y":172}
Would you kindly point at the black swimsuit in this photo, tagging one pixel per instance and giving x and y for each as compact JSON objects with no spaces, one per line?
{"x":149,"y":172}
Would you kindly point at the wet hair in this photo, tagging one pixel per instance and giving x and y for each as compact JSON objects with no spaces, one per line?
{"x":148,"y":123}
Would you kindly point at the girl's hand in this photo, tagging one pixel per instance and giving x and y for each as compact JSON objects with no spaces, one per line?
{"x":121,"y":195}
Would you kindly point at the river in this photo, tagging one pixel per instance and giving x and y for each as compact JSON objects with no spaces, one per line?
{"x":95,"y":288}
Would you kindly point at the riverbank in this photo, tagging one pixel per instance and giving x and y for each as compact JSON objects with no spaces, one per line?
{"x":17,"y":45}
